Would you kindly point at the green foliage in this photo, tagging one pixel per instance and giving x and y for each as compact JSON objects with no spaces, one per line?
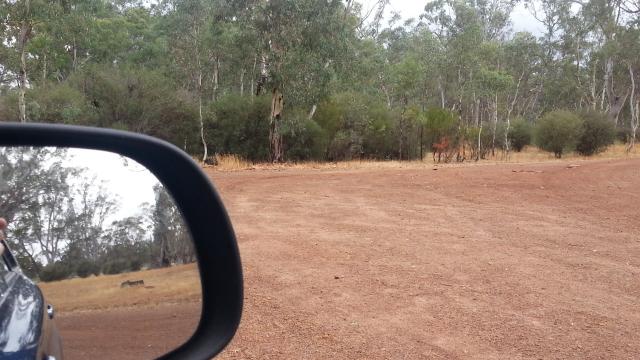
{"x":55,"y":271}
{"x":520,"y":134}
{"x":596,"y":134}
{"x":116,"y":266}
{"x":85,"y":268}
{"x":439,"y":123}
{"x":59,"y":103}
{"x":240,"y":125}
{"x":352,"y":125}
{"x":558,"y":131}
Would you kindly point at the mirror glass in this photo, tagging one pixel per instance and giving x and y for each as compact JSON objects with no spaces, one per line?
{"x":102,"y":239}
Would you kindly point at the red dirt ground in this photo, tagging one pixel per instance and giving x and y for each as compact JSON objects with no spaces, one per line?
{"x":507,"y":261}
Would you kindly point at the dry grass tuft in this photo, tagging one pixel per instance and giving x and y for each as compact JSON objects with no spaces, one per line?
{"x":528,"y":155}
{"x":176,"y":284}
{"x":229,"y":162}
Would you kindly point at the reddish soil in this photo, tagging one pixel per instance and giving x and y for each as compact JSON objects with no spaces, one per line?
{"x":505,"y":261}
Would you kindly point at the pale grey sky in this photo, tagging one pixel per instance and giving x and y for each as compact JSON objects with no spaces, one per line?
{"x":521,"y":18}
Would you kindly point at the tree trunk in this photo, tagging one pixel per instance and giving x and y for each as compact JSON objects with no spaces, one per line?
{"x":512,"y":105}
{"x":495,"y":125}
{"x":253,"y":75}
{"x":312,"y":112}
{"x":634,"y":106}
{"x":216,"y":75}
{"x":441,"y":88}
{"x":275,"y":137}
{"x":200,"y":118}
{"x":44,"y":69}
{"x":421,"y":142}
{"x":25,"y":33}
{"x":242,"y":82}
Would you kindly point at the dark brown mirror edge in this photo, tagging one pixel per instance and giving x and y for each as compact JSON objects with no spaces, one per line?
{"x":214,"y":240}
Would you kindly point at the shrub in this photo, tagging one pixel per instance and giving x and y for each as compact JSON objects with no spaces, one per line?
{"x":136,"y":264}
{"x":520,"y":134}
{"x":558,"y":131}
{"x":596,"y":134}
{"x":115,"y":267}
{"x":54,"y":272}
{"x":239,"y":125}
{"x":623,"y":134}
{"x":86,"y":268}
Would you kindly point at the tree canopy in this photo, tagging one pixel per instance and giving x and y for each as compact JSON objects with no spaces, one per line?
{"x":315,"y":79}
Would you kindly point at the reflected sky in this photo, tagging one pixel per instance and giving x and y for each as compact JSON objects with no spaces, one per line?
{"x":130,"y":181}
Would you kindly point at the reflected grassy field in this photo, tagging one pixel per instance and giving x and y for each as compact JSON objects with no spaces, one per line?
{"x":174,"y":285}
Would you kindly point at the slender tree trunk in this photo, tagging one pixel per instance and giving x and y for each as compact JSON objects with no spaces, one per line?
{"x":44,"y":69}
{"x":215,"y":78}
{"x":200,"y":118}
{"x":421,"y":142}
{"x":495,"y":125}
{"x":242,"y":82}
{"x":253,"y":75}
{"x":75,"y":55}
{"x":441,"y":88}
{"x":512,"y":105}
{"x":25,"y":33}
{"x":594,"y":99}
{"x":634,"y":106}
{"x":312,"y":112}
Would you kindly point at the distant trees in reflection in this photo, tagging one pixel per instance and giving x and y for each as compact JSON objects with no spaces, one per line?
{"x":64,"y":223}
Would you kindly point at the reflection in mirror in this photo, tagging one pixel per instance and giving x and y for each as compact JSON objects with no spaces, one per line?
{"x":107,"y":247}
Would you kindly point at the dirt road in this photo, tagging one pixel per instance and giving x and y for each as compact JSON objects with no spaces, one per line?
{"x":481,"y":262}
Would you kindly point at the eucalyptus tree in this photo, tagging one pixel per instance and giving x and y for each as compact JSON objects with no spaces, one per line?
{"x":21,"y":21}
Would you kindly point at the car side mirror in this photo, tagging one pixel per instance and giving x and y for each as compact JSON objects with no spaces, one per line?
{"x":204,"y":215}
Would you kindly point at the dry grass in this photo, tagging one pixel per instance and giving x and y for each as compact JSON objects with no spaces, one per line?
{"x":176,"y":284}
{"x":530,"y":154}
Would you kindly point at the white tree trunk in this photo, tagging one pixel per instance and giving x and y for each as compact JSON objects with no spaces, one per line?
{"x":634,"y":106}
{"x":200,"y":118}
{"x":25,"y":33}
{"x":512,"y":105}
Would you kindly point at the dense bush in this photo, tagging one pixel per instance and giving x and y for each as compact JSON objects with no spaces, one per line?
{"x":54,"y":272}
{"x":59,"y":103}
{"x":558,"y":131}
{"x":239,"y":125}
{"x":520,"y":134}
{"x":623,"y":134}
{"x":86,"y":268}
{"x":116,"y":266}
{"x":595,"y":135}
{"x":353,"y":125}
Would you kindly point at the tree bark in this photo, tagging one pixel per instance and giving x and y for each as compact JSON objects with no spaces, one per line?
{"x":25,"y":33}
{"x":512,"y":105}
{"x":275,"y":137}
{"x":634,"y":107}
{"x":242,"y":82}
{"x":215,"y":78}
{"x":312,"y":112}
{"x":200,"y":118}
{"x":495,"y":125}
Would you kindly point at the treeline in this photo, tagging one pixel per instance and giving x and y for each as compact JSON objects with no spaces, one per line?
{"x":286,"y":80}
{"x":64,"y":223}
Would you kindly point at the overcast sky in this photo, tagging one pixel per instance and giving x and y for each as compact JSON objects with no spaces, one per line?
{"x":129,"y":181}
{"x":521,"y":18}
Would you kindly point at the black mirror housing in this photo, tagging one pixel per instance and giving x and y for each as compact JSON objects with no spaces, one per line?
{"x":213,"y":237}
